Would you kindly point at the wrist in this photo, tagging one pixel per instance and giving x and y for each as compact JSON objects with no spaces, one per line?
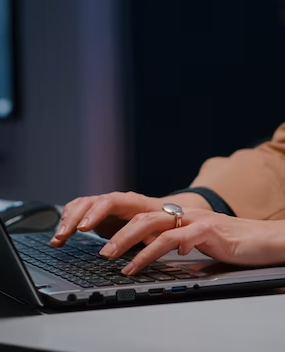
{"x":276,"y":240}
{"x":192,"y":200}
{"x":215,"y":201}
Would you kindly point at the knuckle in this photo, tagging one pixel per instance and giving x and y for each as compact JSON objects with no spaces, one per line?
{"x":135,"y":196}
{"x":184,"y":239}
{"x":105,"y":198}
{"x":140,"y":217}
{"x":77,"y":200}
{"x":145,"y":217}
{"x":67,"y":207}
{"x":113,"y":194}
{"x":205,"y":227}
{"x":131,"y":193}
{"x":167,"y":237}
{"x":212,"y":162}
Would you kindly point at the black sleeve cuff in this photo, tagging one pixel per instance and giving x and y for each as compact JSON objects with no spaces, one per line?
{"x":215,"y":201}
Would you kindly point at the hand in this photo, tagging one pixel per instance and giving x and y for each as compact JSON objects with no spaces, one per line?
{"x":226,"y":239}
{"x":108,"y":213}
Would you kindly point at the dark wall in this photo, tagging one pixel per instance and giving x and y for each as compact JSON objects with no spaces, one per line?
{"x":209,"y":79}
{"x":67,"y":140}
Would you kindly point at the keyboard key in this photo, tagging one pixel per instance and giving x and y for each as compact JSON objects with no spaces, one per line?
{"x":121,"y":280}
{"x":55,"y":271}
{"x":73,"y":270}
{"x":105,"y":283}
{"x":99,"y":271}
{"x":83,"y":283}
{"x":183,"y":275}
{"x":142,"y":279}
{"x":149,"y":270}
{"x":74,"y":279}
{"x":95,"y":279}
{"x":42,"y":257}
{"x":157,"y":265}
{"x":45,"y":236}
{"x":74,"y":261}
{"x":63,"y":265}
{"x":170,"y":269}
{"x":161,"y":277}
{"x":80,"y":274}
{"x":50,"y":251}
{"x":31,"y":260}
{"x":66,"y":276}
{"x":85,"y":266}
{"x":90,"y":277}
{"x":99,"y":282}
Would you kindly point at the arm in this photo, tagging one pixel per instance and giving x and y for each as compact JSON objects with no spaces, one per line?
{"x":251,"y":181}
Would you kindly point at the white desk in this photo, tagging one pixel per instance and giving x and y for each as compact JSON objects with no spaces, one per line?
{"x":254,"y":324}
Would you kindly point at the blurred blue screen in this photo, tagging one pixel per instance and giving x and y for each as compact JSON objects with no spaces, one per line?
{"x":6,"y":60}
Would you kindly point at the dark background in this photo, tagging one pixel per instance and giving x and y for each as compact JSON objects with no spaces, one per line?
{"x":209,"y":79}
{"x":136,"y":94}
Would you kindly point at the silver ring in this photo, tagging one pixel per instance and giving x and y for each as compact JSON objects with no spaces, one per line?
{"x":175,"y":210}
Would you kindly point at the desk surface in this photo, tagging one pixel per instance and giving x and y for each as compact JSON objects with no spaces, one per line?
{"x":243,"y":324}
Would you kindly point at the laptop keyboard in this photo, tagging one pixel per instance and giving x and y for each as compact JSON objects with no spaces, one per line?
{"x":79,"y":262}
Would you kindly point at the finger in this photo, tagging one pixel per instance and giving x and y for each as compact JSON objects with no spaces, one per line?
{"x":100,"y":208}
{"x":198,"y":234}
{"x":56,"y":243}
{"x":122,"y":205}
{"x":187,"y":237}
{"x":104,"y":207}
{"x":149,"y":239}
{"x":72,"y":214}
{"x":140,"y":227}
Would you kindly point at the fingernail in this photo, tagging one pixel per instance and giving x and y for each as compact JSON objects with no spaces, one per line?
{"x":108,"y":249}
{"x":61,"y":230}
{"x":83,"y":223}
{"x":127,"y":269}
{"x":56,"y":243}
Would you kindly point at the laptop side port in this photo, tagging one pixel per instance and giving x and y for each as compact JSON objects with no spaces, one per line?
{"x":72,"y":297}
{"x":156,"y":291}
{"x":95,"y":299}
{"x":126,"y":295}
{"x":178,"y":289}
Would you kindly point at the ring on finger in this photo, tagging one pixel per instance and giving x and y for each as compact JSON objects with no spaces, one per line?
{"x":174,"y":210}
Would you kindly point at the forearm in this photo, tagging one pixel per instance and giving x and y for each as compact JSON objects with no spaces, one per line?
{"x":251,"y":181}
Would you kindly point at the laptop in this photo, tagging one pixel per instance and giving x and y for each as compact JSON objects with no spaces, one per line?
{"x":33,"y":272}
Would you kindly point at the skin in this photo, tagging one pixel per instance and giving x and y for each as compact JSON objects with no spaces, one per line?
{"x":131,"y":218}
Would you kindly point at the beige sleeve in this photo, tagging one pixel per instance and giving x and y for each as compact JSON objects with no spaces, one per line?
{"x":251,"y":181}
